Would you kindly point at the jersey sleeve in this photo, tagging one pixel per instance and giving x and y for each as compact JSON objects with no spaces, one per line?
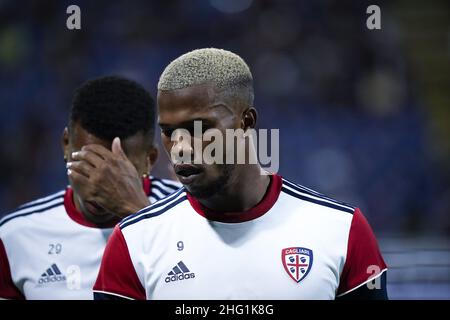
{"x":117,"y":278}
{"x":8,"y":290}
{"x":364,"y":272}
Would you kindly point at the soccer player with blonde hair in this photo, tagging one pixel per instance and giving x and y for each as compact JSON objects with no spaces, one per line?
{"x":232,"y":232}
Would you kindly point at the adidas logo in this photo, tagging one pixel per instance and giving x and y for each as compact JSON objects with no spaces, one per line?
{"x":52,"y":274}
{"x":179,"y":272}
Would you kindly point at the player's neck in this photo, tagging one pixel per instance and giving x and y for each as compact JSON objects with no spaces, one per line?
{"x":244,"y":192}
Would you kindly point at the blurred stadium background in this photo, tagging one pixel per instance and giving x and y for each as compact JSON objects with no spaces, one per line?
{"x":363,"y":115}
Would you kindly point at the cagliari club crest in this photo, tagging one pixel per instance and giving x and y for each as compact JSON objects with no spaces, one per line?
{"x":297,"y":262}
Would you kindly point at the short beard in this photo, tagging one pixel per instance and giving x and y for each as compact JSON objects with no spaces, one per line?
{"x":216,"y":187}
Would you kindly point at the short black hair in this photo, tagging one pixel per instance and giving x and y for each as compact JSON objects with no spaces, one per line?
{"x":113,"y":106}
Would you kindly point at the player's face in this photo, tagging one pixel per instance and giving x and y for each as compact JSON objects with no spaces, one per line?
{"x":178,"y":109}
{"x":135,"y":147}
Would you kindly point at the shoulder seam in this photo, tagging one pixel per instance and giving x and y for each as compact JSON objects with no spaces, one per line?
{"x":41,"y":201}
{"x":155,"y":213}
{"x":159,"y":207}
{"x":317,"y":200}
{"x":15,"y":215}
{"x":302,"y":189}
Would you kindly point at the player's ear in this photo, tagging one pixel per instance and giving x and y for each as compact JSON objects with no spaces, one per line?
{"x":249,"y":117}
{"x":65,"y":143}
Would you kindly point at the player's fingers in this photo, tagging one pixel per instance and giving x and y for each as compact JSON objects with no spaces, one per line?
{"x":77,"y":178}
{"x":116,"y":148}
{"x":92,"y":158}
{"x":82,"y":167}
{"x":100,"y":150}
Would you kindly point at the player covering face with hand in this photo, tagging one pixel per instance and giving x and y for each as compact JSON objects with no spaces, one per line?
{"x":232,"y":232}
{"x":51,"y":248}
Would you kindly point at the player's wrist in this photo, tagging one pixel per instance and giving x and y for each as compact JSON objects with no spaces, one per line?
{"x":136,"y":205}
